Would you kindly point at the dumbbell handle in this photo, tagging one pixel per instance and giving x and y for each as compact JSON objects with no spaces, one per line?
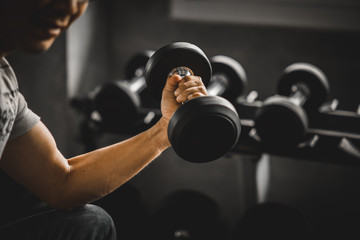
{"x":137,"y":84}
{"x":218,"y":85}
{"x":299,"y":94}
{"x":181,"y":71}
{"x":135,"y":72}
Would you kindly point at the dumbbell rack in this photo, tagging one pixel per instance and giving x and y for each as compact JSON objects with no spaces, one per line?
{"x":333,"y":135}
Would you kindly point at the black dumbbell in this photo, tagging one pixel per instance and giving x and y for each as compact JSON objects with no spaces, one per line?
{"x":228,"y":78}
{"x":282,"y":121}
{"x":186,"y":214}
{"x":118,"y":102}
{"x":202,"y":129}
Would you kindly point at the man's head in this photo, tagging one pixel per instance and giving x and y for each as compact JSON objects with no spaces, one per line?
{"x":33,"y":25}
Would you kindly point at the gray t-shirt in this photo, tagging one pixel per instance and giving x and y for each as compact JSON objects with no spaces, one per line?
{"x":15,"y":117}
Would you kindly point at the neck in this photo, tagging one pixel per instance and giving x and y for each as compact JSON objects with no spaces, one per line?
{"x":4,"y":52}
{"x":5,"y":49}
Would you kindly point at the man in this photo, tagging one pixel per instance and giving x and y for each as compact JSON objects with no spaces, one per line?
{"x":28,"y":152}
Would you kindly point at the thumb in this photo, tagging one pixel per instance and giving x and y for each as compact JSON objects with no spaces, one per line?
{"x":172,"y":83}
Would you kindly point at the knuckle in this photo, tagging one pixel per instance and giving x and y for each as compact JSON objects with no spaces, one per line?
{"x":198,"y":81}
{"x":187,"y":78}
{"x":201,"y":89}
{"x":181,"y":83}
{"x":195,"y":95}
{"x":187,"y":84}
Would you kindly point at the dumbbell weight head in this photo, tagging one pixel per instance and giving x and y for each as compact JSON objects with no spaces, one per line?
{"x":186,"y":214}
{"x":280,"y":123}
{"x":202,"y":129}
{"x":234,"y":74}
{"x":136,"y":63}
{"x":313,"y":79}
{"x":171,"y":56}
{"x":117,"y":102}
{"x":117,"y":105}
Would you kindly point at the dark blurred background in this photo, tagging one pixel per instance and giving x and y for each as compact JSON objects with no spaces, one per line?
{"x":264,"y":36}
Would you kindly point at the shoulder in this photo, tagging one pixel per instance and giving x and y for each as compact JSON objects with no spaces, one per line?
{"x":8,"y":81}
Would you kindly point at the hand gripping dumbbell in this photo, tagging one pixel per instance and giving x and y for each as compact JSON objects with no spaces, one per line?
{"x":228,"y":78}
{"x":118,"y":102}
{"x":202,"y":129}
{"x":282,"y":121}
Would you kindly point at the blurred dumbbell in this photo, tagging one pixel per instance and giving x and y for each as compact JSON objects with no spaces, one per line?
{"x":282,"y":121}
{"x":228,"y":78}
{"x":186,"y":214}
{"x":118,"y":102}
{"x":202,"y":129}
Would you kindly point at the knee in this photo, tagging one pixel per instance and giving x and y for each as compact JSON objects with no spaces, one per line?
{"x":100,"y":221}
{"x":89,"y":222}
{"x":92,"y":221}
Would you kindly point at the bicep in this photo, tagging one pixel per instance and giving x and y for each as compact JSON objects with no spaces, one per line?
{"x":34,"y":161}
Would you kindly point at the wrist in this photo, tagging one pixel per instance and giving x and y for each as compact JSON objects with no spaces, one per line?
{"x":159,"y":132}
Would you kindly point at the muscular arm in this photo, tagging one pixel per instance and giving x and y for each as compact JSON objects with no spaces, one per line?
{"x":35,"y":162}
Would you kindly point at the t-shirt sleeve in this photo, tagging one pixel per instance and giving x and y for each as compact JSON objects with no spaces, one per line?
{"x":25,"y":119}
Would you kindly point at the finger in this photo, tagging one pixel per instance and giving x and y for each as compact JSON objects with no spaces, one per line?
{"x":192,"y":83}
{"x":195,"y":95}
{"x":191,"y":78}
{"x":183,"y":96}
{"x":188,"y":82}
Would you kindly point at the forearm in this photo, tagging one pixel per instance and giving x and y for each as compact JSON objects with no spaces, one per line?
{"x":96,"y":174}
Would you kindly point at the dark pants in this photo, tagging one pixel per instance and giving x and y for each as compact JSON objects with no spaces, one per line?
{"x":89,"y":222}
